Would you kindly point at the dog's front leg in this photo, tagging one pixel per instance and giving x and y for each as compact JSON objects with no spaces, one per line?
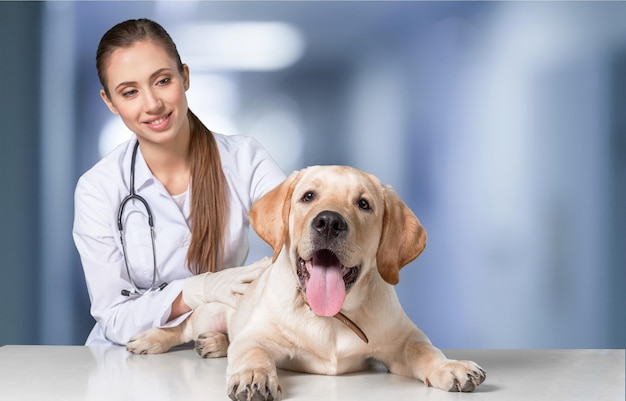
{"x":252,"y":374}
{"x":423,"y":361}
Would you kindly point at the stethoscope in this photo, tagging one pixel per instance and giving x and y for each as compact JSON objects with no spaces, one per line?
{"x":132,"y":195}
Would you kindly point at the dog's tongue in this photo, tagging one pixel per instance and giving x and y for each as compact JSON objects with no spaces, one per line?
{"x":326,"y":289}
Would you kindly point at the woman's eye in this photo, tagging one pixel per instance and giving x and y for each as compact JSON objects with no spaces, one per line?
{"x":363,"y":204}
{"x":308,"y":197}
{"x":129,"y":93}
{"x":163,"y":81}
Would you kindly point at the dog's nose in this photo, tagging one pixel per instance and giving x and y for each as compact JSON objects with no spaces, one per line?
{"x":329,"y":224}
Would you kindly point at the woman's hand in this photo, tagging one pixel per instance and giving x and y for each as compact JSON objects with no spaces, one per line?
{"x":225,"y":286}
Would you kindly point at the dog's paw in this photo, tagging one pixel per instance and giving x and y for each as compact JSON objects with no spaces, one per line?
{"x":456,"y":376}
{"x":212,"y":344}
{"x":254,"y":385}
{"x":148,"y":342}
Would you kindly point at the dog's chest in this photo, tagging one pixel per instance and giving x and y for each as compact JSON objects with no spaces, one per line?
{"x":328,"y":364}
{"x":325,"y":349}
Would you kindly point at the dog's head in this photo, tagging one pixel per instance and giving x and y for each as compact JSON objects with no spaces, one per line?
{"x":337,"y":223}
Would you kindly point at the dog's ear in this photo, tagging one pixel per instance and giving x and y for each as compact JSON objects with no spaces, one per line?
{"x":269,"y":215}
{"x":402,"y":240}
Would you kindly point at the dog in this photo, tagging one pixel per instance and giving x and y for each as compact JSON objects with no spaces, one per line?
{"x":327,"y":304}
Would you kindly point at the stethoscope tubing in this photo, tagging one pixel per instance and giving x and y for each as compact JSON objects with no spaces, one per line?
{"x":133,"y":195}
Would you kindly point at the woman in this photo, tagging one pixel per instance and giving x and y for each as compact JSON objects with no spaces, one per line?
{"x":197,"y":187}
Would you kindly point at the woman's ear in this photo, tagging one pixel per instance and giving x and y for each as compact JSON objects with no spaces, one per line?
{"x":107,"y":101}
{"x":402,"y":240}
{"x":186,"y":80}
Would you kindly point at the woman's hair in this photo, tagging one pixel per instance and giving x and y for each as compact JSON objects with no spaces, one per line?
{"x":209,"y":208}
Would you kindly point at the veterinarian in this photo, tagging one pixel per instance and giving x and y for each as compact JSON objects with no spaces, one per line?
{"x":160,"y":219}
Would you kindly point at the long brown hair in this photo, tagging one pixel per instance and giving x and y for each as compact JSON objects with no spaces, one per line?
{"x":209,"y":207}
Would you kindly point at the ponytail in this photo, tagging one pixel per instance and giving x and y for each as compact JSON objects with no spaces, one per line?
{"x":209,"y":206}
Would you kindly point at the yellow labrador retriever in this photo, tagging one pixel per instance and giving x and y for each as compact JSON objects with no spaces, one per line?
{"x":327,"y":304}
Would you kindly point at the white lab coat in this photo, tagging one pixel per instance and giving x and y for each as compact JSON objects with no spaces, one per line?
{"x":250,"y":173}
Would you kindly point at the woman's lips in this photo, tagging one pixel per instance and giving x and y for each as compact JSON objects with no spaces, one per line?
{"x":160,"y":123}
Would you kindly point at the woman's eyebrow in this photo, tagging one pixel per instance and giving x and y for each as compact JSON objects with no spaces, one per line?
{"x":152,"y":76}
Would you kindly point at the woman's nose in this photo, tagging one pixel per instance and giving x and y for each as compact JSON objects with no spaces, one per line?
{"x":152,"y":102}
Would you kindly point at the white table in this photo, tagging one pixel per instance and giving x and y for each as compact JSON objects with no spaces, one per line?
{"x":112,"y":374}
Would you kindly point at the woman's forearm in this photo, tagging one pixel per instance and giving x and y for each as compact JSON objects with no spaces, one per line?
{"x":179,"y":307}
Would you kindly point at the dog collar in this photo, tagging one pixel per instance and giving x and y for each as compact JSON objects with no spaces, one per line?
{"x":342,"y":318}
{"x":357,"y":330}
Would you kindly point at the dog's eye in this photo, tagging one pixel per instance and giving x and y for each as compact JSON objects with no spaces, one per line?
{"x":308,"y":197}
{"x":363,"y":204}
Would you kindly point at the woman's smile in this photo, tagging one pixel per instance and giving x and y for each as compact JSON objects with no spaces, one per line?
{"x":160,"y":124}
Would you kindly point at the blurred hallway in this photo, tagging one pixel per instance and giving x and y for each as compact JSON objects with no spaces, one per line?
{"x":501,"y":124}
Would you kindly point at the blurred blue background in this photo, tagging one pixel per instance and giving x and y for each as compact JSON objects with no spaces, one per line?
{"x":501,"y":124}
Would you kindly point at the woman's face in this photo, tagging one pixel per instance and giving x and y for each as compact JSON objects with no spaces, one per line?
{"x":148,"y":92}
